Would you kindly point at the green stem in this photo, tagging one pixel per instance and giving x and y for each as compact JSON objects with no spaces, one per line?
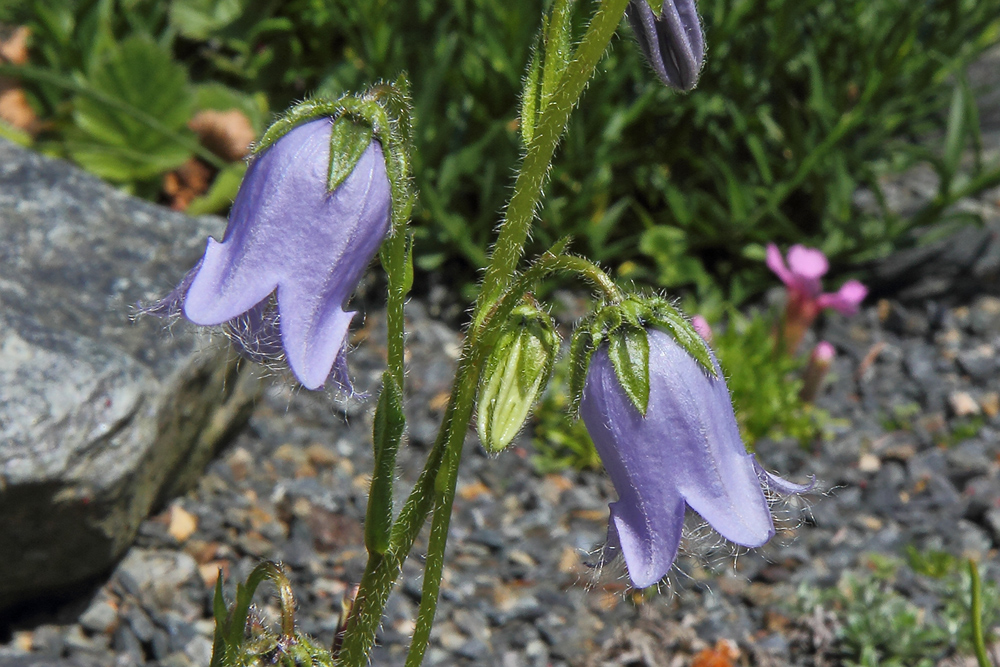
{"x":444,"y":497}
{"x":436,"y":484}
{"x":554,"y":117}
{"x":38,"y":74}
{"x":978,"y":641}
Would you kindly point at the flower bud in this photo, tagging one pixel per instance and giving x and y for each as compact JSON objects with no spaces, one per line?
{"x":516,"y":374}
{"x":819,"y":365}
{"x":673,"y":41}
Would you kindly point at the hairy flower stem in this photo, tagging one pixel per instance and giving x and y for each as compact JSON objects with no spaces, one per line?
{"x":436,"y":485}
{"x":520,"y":212}
{"x":435,"y":488}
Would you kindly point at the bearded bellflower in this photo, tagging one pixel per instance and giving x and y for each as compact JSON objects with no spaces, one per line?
{"x":673,"y":42}
{"x":293,"y":252}
{"x":806,"y":298}
{"x":685,"y":452}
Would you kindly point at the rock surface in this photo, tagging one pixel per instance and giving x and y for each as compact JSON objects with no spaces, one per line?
{"x":101,"y":418}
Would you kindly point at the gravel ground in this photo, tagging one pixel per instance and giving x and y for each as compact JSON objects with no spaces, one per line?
{"x":912,"y":459}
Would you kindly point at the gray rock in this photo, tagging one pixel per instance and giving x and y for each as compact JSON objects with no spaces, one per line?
{"x":101,"y":419}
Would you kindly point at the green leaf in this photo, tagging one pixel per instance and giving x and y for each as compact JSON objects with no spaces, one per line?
{"x":116,"y":142}
{"x":200,"y":19}
{"x":349,"y":139}
{"x":220,"y":196}
{"x":386,"y":435}
{"x":221,"y":625}
{"x":558,"y":48}
{"x":529,"y":99}
{"x":628,"y":349}
{"x":955,"y":133}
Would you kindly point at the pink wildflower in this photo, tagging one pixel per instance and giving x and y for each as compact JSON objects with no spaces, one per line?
{"x":805,"y":291}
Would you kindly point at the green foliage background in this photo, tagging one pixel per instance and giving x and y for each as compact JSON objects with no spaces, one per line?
{"x":801,"y":102}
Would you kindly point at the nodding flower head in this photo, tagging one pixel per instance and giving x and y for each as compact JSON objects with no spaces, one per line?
{"x":684,"y":452}
{"x":672,"y":42}
{"x":291,"y":256}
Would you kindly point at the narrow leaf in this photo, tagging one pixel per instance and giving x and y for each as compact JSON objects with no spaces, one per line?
{"x":955,"y":133}
{"x":387,"y":433}
{"x":558,"y":48}
{"x":529,"y":103}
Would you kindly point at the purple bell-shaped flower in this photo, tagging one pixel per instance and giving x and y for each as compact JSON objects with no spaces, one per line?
{"x":685,"y":452}
{"x":292,"y":254}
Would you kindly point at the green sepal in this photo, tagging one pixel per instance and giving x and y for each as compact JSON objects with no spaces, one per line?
{"x":628,"y":349}
{"x":669,"y":320}
{"x":349,"y":140}
{"x":232,"y":646}
{"x":581,"y":349}
{"x":390,"y":421}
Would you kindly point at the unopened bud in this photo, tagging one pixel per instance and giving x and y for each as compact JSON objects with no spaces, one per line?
{"x":819,"y":365}
{"x":516,"y":374}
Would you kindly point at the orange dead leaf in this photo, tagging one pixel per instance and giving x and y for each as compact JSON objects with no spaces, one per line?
{"x":14,"y":46}
{"x":228,"y":134}
{"x":14,"y":107}
{"x":187,"y":182}
{"x":722,"y":655}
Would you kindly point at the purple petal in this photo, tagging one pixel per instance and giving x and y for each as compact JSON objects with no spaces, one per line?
{"x":846,"y":300}
{"x":288,"y":235}
{"x":778,"y":485}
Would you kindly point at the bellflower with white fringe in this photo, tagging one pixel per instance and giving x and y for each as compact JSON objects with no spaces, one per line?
{"x":685,"y":452}
{"x":291,"y":256}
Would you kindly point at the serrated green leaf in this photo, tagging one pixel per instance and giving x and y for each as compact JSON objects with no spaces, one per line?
{"x":349,"y":139}
{"x":113,"y":141}
{"x":628,"y":349}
